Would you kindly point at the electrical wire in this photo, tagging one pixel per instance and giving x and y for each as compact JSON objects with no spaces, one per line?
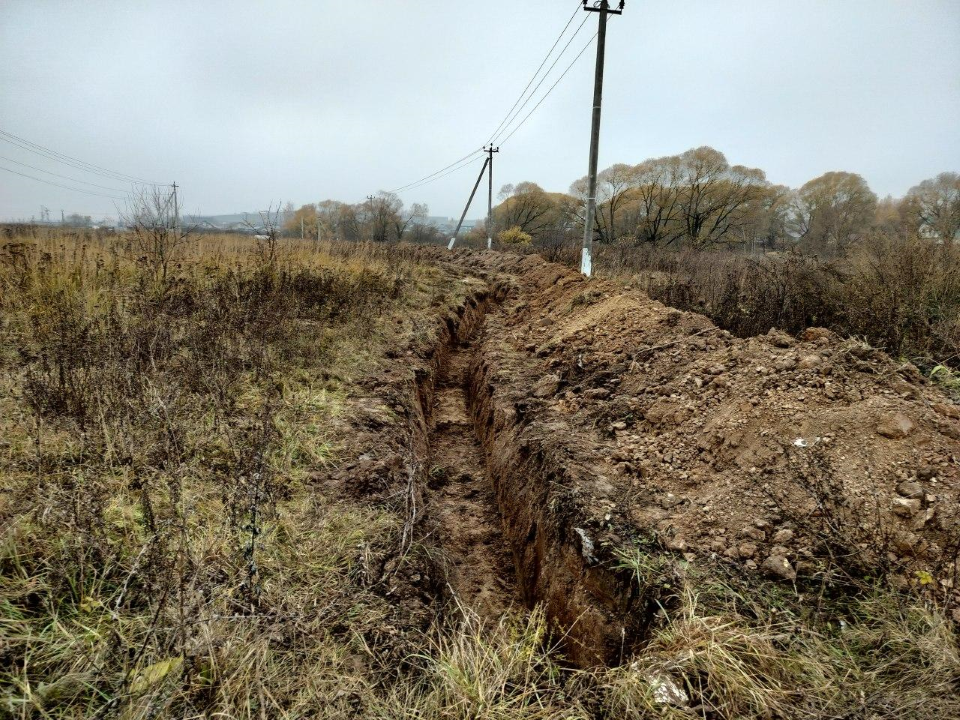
{"x":46,"y":152}
{"x":556,"y":60}
{"x":50,"y":182}
{"x":468,"y":163}
{"x":64,"y":177}
{"x":534,"y":77}
{"x":424,"y":180}
{"x":546,"y":75}
{"x":589,"y":43}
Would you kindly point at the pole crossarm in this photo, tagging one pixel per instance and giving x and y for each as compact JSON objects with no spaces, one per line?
{"x":604,"y":7}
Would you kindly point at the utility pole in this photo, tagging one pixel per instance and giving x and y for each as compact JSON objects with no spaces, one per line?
{"x":474,"y":192}
{"x":490,"y":151}
{"x":301,"y":227}
{"x":176,"y":209}
{"x":370,"y":213}
{"x":602,"y":7}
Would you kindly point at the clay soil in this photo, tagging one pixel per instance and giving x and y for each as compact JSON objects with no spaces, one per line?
{"x":559,"y":425}
{"x":479,"y":561}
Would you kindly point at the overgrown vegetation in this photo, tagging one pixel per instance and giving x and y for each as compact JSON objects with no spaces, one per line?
{"x":900,"y":294}
{"x":167,"y":551}
{"x":163,"y":552}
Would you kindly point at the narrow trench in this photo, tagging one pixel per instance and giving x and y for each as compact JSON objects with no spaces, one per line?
{"x":488,"y":491}
{"x":481,"y":569}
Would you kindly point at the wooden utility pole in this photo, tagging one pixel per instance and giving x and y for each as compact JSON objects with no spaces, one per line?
{"x":490,"y":151}
{"x":465,"y":209}
{"x":602,"y":7}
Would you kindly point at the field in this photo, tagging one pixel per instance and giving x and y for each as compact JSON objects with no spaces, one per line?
{"x":356,"y":480}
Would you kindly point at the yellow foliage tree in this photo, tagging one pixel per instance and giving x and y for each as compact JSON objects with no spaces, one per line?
{"x":514,"y":236}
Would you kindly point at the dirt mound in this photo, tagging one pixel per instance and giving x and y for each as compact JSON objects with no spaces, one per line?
{"x":614,"y":439}
{"x":776,"y":454}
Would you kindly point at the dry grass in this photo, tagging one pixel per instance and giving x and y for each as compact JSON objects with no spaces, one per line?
{"x":166,"y":550}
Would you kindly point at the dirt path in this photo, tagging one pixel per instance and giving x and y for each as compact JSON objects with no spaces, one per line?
{"x":470,"y":530}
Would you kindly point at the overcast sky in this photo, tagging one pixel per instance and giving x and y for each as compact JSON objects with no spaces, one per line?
{"x":244,"y":103}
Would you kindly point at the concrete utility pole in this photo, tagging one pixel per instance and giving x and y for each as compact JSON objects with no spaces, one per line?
{"x":176,"y":209}
{"x":602,"y":7}
{"x":474,"y":192}
{"x":490,"y":151}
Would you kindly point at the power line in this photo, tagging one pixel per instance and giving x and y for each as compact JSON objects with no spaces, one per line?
{"x":468,"y":163}
{"x":562,"y":75}
{"x":50,"y":182}
{"x":72,"y":161}
{"x":517,"y":107}
{"x":76,"y":180}
{"x":507,"y":118}
{"x":534,"y":77}
{"x":427,"y":178}
{"x":545,"y":75}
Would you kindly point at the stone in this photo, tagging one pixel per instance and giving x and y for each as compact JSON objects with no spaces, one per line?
{"x":667,"y":692}
{"x":753,"y":533}
{"x":950,"y":411}
{"x":787,"y":363}
{"x":782,"y":537}
{"x":597,"y":394}
{"x":910,"y":489}
{"x":816,"y":333}
{"x":780,"y":339}
{"x":924,"y":518}
{"x":808,"y":362}
{"x":546,"y":386}
{"x":905,"y":507}
{"x":747,"y":550}
{"x":895,"y":426}
{"x":779,"y":567}
{"x":677,"y":543}
{"x":669,"y":500}
{"x":905,"y":543}
{"x":586,"y":545}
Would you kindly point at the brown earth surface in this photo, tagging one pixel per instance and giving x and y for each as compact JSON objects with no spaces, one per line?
{"x":603,"y":421}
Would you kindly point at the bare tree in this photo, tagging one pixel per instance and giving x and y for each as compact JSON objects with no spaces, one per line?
{"x":935,"y":206}
{"x":158,"y":238}
{"x":267,"y":234}
{"x":381,"y":213}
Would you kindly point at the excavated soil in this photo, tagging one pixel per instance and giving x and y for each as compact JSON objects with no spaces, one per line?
{"x":558,"y":425}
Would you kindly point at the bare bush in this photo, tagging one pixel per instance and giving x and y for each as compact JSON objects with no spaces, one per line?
{"x":154,"y":224}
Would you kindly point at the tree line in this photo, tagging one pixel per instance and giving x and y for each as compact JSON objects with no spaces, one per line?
{"x":695,"y":199}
